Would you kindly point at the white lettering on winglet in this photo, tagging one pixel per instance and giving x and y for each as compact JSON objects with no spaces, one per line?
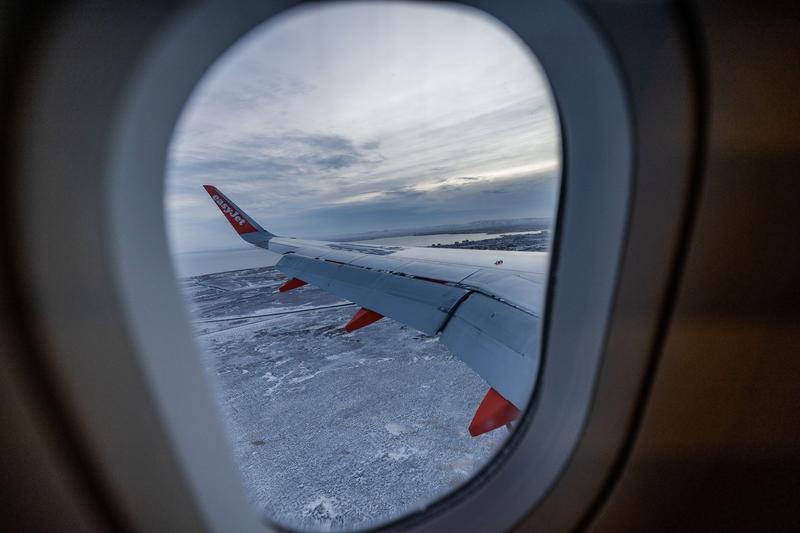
{"x":228,"y":210}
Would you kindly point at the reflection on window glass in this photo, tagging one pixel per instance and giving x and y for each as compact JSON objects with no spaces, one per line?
{"x":360,"y":200}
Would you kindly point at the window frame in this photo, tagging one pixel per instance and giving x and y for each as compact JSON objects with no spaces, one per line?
{"x":107,"y":355}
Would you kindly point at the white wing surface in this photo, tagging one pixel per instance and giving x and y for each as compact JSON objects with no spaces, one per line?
{"x":485,"y":305}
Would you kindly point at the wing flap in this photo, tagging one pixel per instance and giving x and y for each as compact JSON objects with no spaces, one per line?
{"x":523,"y":292}
{"x":435,"y":270}
{"x":381,"y":262}
{"x":423,"y":305}
{"x":499,"y":342}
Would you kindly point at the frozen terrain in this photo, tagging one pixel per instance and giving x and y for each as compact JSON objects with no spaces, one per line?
{"x":333,"y":430}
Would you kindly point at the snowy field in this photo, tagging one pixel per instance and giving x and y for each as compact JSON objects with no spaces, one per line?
{"x":333,"y":430}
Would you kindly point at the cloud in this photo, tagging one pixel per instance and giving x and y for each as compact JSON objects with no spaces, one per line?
{"x":371,"y":145}
{"x":336,"y":143}
{"x":526,"y":196}
{"x":297,"y":156}
{"x":333,"y":162}
{"x":443,"y":119}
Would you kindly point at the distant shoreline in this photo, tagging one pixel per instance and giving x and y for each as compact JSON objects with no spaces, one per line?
{"x":492,"y":230}
{"x":489,"y":227}
{"x":537,"y":241}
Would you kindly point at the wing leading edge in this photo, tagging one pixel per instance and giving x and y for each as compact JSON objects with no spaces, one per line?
{"x":483,"y":304}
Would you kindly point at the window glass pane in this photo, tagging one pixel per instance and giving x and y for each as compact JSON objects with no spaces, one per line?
{"x":393,"y":167}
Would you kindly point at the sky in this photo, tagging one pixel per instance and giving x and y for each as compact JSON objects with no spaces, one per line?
{"x":349,"y":118}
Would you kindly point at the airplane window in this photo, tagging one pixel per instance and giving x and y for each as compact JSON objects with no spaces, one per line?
{"x":360,"y":201}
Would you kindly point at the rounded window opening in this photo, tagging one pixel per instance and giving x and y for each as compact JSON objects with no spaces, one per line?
{"x":360,"y":200}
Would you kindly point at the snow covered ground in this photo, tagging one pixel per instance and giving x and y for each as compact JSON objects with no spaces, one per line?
{"x":333,"y":430}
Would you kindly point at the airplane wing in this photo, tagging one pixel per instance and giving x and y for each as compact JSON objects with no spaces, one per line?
{"x":485,"y":304}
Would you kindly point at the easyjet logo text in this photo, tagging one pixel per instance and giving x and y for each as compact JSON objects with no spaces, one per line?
{"x":229,"y":211}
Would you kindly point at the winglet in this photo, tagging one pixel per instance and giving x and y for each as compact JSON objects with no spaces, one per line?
{"x":237,"y":218}
{"x":247,"y":228}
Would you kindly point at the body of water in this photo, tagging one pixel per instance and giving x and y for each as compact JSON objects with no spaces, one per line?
{"x":198,"y":263}
{"x":442,"y":238}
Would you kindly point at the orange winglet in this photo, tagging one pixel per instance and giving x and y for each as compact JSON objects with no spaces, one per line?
{"x":493,"y":412}
{"x":292,"y":284}
{"x":240,"y":222}
{"x":363,"y":317}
